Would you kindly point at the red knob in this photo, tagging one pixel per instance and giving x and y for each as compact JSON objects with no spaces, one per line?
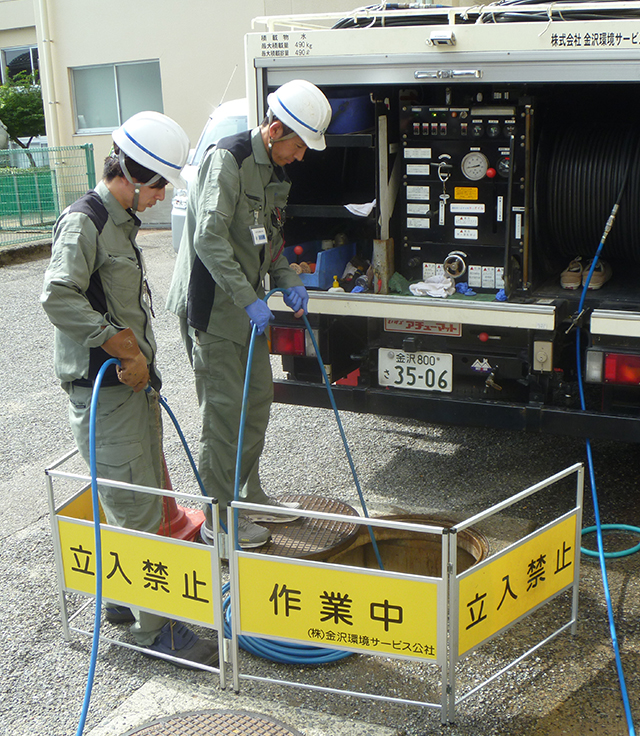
{"x":483,"y":337}
{"x":298,"y":250}
{"x":491,"y":173}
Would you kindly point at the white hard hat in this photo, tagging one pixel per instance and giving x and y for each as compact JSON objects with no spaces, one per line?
{"x":156,"y":142}
{"x":302,"y":107}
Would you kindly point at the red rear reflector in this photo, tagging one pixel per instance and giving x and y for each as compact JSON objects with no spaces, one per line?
{"x":624,"y":369}
{"x":287,"y":341}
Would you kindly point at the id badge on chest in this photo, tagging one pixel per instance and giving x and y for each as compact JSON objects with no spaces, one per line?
{"x":259,"y":236}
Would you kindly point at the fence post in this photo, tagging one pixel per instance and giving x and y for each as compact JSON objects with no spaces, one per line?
{"x":16,"y":188}
{"x":91,"y":166}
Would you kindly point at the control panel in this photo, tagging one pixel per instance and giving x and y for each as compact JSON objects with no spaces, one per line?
{"x":464,"y":172}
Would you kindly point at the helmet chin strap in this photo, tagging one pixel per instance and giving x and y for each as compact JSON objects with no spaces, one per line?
{"x":282,"y":138}
{"x":136,"y":197}
{"x":270,"y":116}
{"x":137,"y":185}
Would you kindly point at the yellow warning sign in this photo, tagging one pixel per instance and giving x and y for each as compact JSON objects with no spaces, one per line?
{"x":493,"y":596}
{"x":466,"y":193}
{"x":81,"y":507}
{"x":324,"y":604}
{"x":160,"y":574}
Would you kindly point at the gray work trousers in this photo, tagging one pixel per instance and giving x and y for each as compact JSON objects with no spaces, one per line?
{"x":219,"y":367}
{"x":128,"y":449}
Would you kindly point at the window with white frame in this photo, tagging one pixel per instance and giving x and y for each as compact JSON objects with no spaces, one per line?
{"x":18,"y":59}
{"x":105,"y":96}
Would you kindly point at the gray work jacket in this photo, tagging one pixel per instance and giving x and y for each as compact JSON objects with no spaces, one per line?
{"x":220,"y":269}
{"x":94,"y":285}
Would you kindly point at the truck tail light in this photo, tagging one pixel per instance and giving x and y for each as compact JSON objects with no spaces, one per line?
{"x":622,"y":369}
{"x":288,"y":341}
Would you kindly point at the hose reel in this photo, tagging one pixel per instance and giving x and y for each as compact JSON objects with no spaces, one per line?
{"x":579,"y":171}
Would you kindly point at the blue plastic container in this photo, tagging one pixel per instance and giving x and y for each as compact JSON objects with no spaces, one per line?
{"x":329,"y":263}
{"x":351,"y":114}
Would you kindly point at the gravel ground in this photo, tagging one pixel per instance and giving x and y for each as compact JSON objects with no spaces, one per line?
{"x":569,"y":686}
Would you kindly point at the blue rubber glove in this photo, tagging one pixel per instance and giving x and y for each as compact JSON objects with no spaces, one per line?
{"x":259,"y":314}
{"x":296,"y":298}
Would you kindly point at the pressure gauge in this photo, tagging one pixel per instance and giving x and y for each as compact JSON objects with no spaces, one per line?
{"x":474,"y":165}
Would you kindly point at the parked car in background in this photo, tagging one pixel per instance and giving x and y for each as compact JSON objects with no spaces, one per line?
{"x":227,"y":119}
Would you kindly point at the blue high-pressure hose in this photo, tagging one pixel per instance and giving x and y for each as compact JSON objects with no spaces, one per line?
{"x":596,"y":509}
{"x":98,"y":542}
{"x":245,"y":397}
{"x":276,"y":651}
{"x":283,"y":651}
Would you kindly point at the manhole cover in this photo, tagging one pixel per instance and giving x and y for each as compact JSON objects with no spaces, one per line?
{"x":215,"y":723}
{"x":311,"y":538}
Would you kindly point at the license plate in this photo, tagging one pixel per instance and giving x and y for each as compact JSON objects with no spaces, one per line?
{"x":420,"y":371}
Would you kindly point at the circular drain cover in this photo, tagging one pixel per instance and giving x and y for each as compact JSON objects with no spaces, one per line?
{"x":215,"y":723}
{"x":312,"y":539}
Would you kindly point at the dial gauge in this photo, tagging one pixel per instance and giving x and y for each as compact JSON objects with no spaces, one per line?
{"x":474,"y":165}
{"x":504,"y":166}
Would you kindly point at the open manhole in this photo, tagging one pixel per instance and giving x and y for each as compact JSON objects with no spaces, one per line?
{"x":215,"y":723}
{"x":411,"y":552}
{"x":343,"y":542}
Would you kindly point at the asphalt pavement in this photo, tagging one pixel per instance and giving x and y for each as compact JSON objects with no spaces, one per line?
{"x":569,"y":686}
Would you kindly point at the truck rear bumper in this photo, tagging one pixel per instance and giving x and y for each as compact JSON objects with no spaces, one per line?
{"x":437,"y":409}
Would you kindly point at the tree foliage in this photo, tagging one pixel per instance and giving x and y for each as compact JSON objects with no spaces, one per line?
{"x":21,"y":108}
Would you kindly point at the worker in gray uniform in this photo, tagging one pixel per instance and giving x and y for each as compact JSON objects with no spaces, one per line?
{"x":96,"y":295}
{"x":232,"y":240}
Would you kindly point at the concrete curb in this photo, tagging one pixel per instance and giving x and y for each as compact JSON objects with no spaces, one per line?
{"x":10,"y":254}
{"x":23,"y":252}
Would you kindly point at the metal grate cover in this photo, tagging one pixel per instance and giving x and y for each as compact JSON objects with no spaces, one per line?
{"x":215,"y":723}
{"x":311,"y":538}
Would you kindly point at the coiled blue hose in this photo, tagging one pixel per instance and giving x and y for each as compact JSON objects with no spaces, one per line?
{"x":611,"y":527}
{"x":279,"y":651}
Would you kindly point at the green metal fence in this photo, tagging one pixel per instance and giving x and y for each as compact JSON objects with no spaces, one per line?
{"x":36,"y":185}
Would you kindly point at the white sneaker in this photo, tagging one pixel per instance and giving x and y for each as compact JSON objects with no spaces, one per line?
{"x":571,"y":277}
{"x":267,"y":517}
{"x":251,"y":535}
{"x":601,"y":274}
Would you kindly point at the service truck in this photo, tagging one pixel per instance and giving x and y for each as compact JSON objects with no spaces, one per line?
{"x":486,"y":145}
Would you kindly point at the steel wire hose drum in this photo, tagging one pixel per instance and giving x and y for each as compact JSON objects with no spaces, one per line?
{"x":578,"y":174}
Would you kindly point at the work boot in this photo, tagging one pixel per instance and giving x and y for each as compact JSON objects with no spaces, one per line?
{"x":119,"y":615}
{"x":179,"y":641}
{"x":264,"y":517}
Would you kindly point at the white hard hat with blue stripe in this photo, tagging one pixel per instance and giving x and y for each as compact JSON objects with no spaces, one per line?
{"x":301,"y":106}
{"x":156,"y":142}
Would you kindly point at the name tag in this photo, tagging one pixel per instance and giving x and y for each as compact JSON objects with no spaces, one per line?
{"x":259,"y":236}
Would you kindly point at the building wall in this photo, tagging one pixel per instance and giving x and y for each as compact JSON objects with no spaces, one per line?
{"x":16,"y":14}
{"x":10,"y":37}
